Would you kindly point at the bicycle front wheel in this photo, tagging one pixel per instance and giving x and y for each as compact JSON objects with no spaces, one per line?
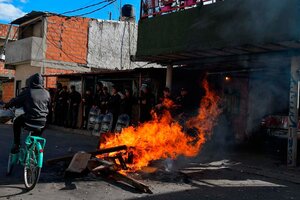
{"x":31,"y":170}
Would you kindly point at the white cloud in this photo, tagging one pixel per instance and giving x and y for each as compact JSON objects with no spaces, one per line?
{"x":8,"y":11}
{"x":22,"y":1}
{"x":5,"y":1}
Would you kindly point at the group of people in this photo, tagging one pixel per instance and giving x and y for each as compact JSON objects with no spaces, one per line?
{"x":116,"y":102}
{"x":179,"y":105}
{"x":66,"y":104}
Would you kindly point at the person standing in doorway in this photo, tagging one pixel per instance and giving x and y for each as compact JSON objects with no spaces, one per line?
{"x":98,"y":94}
{"x":74,"y":102}
{"x":114,"y":105}
{"x":87,"y":101}
{"x":147,"y":101}
{"x":127,"y":103}
{"x":56,"y":104}
{"x":104,"y":98}
{"x":61,"y":106}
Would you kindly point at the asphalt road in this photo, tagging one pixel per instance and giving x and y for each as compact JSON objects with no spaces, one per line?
{"x":215,"y":180}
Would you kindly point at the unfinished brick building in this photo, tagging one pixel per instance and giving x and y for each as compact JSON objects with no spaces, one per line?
{"x":54,"y":44}
{"x":6,"y":76}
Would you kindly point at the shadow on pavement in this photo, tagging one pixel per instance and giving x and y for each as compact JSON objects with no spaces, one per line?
{"x":8,"y":187}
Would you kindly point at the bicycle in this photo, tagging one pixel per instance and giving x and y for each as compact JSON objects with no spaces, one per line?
{"x":30,"y":156}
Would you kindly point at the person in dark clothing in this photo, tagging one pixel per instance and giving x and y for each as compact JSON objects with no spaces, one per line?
{"x":62,"y":106}
{"x":87,"y":101}
{"x":35,"y":101}
{"x":50,"y":115}
{"x":104,"y":98}
{"x":165,"y":103}
{"x":114,"y":105}
{"x":166,"y":96}
{"x":147,"y":101}
{"x":98,"y":94}
{"x":57,"y":108}
{"x":183,"y":102}
{"x":126,"y":103}
{"x":74,"y":102}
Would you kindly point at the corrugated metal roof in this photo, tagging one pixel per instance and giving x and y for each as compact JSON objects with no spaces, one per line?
{"x":29,"y":16}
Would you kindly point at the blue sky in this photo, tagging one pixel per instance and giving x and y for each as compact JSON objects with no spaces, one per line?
{"x":12,"y":9}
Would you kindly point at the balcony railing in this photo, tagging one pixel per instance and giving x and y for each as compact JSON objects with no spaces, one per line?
{"x":152,"y":8}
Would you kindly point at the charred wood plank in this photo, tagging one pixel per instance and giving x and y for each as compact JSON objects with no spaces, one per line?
{"x":93,"y":153}
{"x":100,"y":168}
{"x":138,"y":185}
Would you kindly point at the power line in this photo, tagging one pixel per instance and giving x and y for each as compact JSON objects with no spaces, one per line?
{"x":83,"y":8}
{"x":87,"y":13}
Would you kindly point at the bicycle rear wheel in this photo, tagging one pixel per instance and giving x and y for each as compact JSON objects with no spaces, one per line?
{"x":31,"y":170}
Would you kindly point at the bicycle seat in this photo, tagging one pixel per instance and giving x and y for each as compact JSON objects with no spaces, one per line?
{"x":33,"y":128}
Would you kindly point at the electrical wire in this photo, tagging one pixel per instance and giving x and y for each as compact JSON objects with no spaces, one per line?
{"x":87,"y":13}
{"x":83,"y":8}
{"x":122,"y":43}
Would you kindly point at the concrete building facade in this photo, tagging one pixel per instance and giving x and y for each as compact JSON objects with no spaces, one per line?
{"x":53,"y":44}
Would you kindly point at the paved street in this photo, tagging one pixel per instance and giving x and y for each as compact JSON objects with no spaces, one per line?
{"x":212,"y":178}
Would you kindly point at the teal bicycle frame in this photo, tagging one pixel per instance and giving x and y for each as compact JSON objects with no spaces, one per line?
{"x":39,"y":143}
{"x":31,"y":142}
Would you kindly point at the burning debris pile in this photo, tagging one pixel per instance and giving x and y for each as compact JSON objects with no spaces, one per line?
{"x":162,"y":137}
{"x":135,"y":148}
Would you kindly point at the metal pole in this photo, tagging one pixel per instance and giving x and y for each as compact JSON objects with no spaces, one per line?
{"x":120,"y":10}
{"x":141,"y":10}
{"x":140,"y":93}
{"x":169,"y":76}
{"x":293,"y":113}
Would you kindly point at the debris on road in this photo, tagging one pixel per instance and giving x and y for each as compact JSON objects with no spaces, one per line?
{"x":110,"y":163}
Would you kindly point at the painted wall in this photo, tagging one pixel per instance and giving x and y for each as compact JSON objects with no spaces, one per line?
{"x":25,"y":71}
{"x":109,"y":41}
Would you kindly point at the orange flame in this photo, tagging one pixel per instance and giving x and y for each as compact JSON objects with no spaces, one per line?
{"x":162,"y":137}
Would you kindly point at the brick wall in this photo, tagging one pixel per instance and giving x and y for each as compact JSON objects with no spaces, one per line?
{"x":67,"y":39}
{"x":51,"y":81}
{"x":7,"y":91}
{"x":4,"y":29}
{"x":5,"y":72}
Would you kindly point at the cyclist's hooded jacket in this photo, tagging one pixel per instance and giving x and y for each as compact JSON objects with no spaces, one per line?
{"x":35,"y":101}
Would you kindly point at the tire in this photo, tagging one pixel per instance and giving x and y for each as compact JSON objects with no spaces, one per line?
{"x":31,"y":173}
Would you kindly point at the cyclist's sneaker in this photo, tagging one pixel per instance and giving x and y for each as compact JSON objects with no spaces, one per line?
{"x":15,"y":149}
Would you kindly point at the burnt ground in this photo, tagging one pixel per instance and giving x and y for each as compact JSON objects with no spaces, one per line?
{"x":215,"y":174}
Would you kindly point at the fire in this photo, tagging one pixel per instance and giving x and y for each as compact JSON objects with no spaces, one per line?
{"x":162,"y":137}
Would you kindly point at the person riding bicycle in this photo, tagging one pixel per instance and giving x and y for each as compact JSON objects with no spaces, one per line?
{"x":35,"y":100}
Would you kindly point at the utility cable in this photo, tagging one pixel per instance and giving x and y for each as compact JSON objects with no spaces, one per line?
{"x":87,"y":13}
{"x":83,"y":8}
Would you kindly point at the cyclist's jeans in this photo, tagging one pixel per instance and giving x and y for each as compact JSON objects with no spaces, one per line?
{"x":19,"y":122}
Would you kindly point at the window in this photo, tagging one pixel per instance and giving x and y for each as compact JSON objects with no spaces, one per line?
{"x":18,"y":87}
